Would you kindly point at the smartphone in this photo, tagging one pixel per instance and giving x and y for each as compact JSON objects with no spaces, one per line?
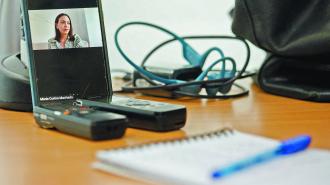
{"x":68,"y":60}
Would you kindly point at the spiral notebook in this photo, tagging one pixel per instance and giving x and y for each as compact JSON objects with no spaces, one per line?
{"x":191,"y":160}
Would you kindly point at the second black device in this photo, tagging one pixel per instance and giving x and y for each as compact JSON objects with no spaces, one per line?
{"x":143,"y":114}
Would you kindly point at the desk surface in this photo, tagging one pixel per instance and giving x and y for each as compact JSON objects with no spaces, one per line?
{"x":31,"y":155}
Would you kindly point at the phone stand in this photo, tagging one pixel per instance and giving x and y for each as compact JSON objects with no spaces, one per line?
{"x":15,"y":92}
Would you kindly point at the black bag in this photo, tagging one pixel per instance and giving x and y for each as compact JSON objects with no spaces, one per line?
{"x":296,"y":34}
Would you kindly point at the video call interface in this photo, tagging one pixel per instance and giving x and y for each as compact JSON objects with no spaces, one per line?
{"x":69,"y":57}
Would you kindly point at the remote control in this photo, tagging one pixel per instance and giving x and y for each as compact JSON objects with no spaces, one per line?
{"x":83,"y":122}
{"x":143,"y":114}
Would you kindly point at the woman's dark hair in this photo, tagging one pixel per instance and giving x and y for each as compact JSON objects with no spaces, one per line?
{"x":57,"y":32}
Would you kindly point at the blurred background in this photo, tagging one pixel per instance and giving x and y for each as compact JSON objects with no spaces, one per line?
{"x":184,"y":17}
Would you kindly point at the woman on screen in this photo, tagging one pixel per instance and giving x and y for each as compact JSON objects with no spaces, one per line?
{"x":64,"y":36}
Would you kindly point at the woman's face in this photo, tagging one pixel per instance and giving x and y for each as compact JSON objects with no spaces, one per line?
{"x":64,"y":25}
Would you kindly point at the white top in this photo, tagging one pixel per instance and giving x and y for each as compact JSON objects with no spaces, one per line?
{"x":76,"y":43}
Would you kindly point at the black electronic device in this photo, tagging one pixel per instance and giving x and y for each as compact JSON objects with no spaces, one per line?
{"x":186,"y":73}
{"x":61,"y":71}
{"x":81,"y":121}
{"x":143,"y":114}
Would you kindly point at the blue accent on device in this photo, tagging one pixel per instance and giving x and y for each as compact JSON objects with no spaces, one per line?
{"x":287,"y":147}
{"x":194,"y":59}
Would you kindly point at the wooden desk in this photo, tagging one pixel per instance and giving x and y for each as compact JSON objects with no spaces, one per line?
{"x":31,"y":155}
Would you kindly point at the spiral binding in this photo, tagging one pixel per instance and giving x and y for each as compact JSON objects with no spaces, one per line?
{"x":223,"y":132}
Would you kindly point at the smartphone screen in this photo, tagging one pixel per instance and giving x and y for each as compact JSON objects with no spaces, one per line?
{"x":68,"y":55}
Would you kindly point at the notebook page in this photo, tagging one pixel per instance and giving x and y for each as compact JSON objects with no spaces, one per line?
{"x":305,"y":168}
{"x":186,"y":162}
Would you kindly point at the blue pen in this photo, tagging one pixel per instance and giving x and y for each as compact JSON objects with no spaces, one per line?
{"x":287,"y":147}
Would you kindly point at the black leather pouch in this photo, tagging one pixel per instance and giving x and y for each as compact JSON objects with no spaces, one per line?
{"x":296,"y":34}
